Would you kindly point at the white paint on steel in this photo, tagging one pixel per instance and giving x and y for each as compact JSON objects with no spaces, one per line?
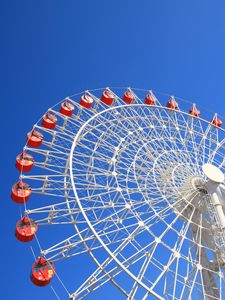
{"x":170,"y":180}
{"x":213,"y":173}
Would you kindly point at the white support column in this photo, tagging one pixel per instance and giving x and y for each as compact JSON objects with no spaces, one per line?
{"x":215,"y":178}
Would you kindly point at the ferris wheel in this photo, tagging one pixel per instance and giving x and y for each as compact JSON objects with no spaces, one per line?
{"x":137,"y":185}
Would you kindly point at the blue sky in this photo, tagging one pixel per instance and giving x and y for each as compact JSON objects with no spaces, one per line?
{"x":51,"y":49}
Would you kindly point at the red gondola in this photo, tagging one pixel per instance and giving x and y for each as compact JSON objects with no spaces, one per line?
{"x":172,"y":103}
{"x":26,"y":229}
{"x":194,"y":111}
{"x":49,"y":121}
{"x":86,"y":101}
{"x":150,"y":99}
{"x":128,"y":96}
{"x":20,"y":192}
{"x":107,"y":97}
{"x":42,"y":272}
{"x":24,"y":162}
{"x":216,"y":121}
{"x":34,"y":138}
{"x":67,"y":109}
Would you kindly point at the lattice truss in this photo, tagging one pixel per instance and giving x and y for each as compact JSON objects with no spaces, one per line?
{"x":128,"y":179}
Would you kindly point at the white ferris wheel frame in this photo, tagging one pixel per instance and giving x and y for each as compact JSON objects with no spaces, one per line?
{"x":67,"y":244}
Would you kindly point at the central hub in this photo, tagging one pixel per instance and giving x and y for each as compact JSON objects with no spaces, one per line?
{"x":198,"y":184}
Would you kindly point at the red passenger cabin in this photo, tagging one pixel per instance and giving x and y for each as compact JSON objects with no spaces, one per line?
{"x":172,"y":103}
{"x":216,"y":121}
{"x":49,"y":121}
{"x":67,"y":109}
{"x":128,"y":96}
{"x":194,"y":111}
{"x":26,"y":229}
{"x":42,"y":272}
{"x":20,"y":192}
{"x":150,"y":99}
{"x":86,"y":101}
{"x":34,"y":138}
{"x":24,"y":162}
{"x":107,"y":97}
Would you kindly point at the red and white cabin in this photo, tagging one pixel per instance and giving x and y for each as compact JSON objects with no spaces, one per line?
{"x":150,"y":99}
{"x":216,"y":121}
{"x":34,"y":138}
{"x":20,"y":192}
{"x":24,"y":162}
{"x":128,"y":96}
{"x":26,"y":229}
{"x":86,"y":101}
{"x":42,"y":272}
{"x":172,"y":103}
{"x":49,"y":121}
{"x":194,"y":111}
{"x":107,"y":97}
{"x":67,"y":109}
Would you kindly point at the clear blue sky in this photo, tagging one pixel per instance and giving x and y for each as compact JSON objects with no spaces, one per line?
{"x":51,"y":49}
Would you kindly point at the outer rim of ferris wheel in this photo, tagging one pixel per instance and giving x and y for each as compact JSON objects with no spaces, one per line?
{"x":216,"y":177}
